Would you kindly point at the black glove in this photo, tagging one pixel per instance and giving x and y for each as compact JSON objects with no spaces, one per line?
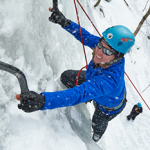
{"x":58,"y":17}
{"x":31,"y":101}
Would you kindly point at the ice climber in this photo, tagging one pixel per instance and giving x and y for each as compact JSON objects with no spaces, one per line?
{"x":103,"y":81}
{"x":136,"y":110}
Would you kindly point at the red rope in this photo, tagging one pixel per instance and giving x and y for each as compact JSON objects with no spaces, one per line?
{"x":80,"y":32}
{"x":79,"y":74}
{"x":89,"y":18}
{"x":137,"y":90}
{"x":145,"y":89}
{"x":82,"y":43}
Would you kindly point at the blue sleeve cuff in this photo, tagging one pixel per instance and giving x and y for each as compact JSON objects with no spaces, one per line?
{"x":89,"y":39}
{"x":45,"y":105}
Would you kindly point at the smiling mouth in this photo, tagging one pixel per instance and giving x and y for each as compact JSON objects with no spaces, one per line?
{"x":98,"y":56}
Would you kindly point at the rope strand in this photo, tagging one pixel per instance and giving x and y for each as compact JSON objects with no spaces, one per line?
{"x":137,"y":90}
{"x":82,"y":43}
{"x":89,"y":18}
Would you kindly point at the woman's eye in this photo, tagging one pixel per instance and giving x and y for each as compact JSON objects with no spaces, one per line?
{"x":99,"y":45}
{"x":109,"y":52}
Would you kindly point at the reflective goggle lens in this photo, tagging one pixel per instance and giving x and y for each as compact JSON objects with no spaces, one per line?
{"x":104,"y":49}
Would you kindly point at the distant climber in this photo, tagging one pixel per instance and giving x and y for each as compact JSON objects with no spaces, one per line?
{"x":136,"y":110}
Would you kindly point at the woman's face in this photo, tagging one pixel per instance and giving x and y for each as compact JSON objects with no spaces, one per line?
{"x":101,"y":58}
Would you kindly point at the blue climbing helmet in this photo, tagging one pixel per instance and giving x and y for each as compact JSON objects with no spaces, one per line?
{"x":139,"y":104}
{"x":120,"y":38}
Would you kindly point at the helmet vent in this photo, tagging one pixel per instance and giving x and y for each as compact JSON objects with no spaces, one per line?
{"x":109,"y":36}
{"x":120,"y":43}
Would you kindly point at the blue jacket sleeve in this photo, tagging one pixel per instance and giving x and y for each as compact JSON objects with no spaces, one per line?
{"x":88,"y":39}
{"x":100,"y":85}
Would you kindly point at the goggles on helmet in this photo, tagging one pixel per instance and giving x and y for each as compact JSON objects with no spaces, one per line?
{"x":105,"y":50}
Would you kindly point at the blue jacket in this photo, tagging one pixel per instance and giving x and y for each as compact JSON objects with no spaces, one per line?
{"x":105,"y":86}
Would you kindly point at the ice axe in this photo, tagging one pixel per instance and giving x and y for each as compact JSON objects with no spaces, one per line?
{"x":20,"y":76}
{"x":55,"y":6}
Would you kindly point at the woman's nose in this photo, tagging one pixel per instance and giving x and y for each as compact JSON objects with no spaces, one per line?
{"x":99,"y":51}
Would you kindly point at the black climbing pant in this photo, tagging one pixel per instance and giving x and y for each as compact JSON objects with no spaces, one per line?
{"x":132,"y":115}
{"x":99,"y":120}
{"x":68,"y":78}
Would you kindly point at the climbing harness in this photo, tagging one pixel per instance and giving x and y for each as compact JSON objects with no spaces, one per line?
{"x":124,"y":100}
